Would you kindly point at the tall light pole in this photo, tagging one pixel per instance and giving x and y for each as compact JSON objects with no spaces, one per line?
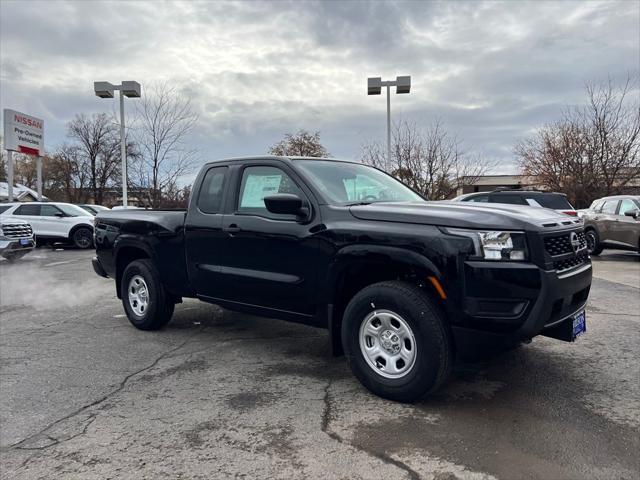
{"x":374,"y":87}
{"x":129,"y":89}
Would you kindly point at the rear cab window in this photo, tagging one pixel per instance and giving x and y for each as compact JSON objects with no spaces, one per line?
{"x":212,"y":190}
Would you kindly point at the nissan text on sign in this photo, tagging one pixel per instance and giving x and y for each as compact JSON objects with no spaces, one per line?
{"x":23,"y":133}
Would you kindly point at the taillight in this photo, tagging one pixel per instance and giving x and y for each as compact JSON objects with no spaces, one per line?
{"x":573,"y":213}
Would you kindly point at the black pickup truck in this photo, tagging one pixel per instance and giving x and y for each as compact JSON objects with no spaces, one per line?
{"x":402,"y":284}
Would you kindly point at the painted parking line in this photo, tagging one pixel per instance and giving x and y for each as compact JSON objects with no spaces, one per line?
{"x":62,"y":263}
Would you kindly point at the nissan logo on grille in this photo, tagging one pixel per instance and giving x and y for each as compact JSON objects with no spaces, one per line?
{"x":575,"y":242}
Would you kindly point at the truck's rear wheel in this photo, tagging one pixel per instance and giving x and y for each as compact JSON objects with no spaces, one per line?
{"x":145,"y":301}
{"x":396,"y":341}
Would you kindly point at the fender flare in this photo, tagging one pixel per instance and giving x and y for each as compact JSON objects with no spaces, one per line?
{"x":129,"y":241}
{"x":347,"y":257}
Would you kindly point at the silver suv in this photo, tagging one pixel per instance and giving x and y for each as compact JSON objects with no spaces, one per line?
{"x":613,"y":222}
{"x":16,"y":238}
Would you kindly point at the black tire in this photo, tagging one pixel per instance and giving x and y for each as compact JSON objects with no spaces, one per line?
{"x":593,"y":242}
{"x":434,"y":348}
{"x":159,"y":308}
{"x":82,"y":238}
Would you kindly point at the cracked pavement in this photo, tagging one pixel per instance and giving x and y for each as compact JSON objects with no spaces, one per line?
{"x":84,"y":395}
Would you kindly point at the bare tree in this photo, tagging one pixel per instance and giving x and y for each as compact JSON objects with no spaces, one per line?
{"x":593,"y":150}
{"x":176,"y":197}
{"x":301,"y":144}
{"x":430,"y":161}
{"x":67,"y":176}
{"x":164,"y":120}
{"x":97,"y":142}
{"x":25,"y":170}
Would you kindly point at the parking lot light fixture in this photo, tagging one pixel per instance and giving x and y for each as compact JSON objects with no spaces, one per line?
{"x":374,"y":87}
{"x":129,"y":89}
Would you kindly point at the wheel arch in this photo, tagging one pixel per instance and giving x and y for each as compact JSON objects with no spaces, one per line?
{"x":75,"y":228}
{"x":124,"y":256}
{"x":356,"y":267}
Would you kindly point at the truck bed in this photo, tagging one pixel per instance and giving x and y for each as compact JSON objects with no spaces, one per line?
{"x":159,"y":233}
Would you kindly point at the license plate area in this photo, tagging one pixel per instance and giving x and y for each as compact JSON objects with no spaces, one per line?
{"x":24,"y":241}
{"x":569,"y":329}
{"x":579,"y":324}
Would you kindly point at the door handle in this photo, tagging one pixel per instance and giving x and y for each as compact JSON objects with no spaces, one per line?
{"x":231,"y":229}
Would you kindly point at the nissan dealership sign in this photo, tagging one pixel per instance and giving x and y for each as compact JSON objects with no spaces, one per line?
{"x":23,"y":133}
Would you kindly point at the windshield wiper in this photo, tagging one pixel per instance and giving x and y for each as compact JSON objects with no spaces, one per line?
{"x":355,"y":204}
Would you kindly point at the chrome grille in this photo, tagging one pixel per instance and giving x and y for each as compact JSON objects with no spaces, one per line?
{"x":561,"y":244}
{"x":17,"y":230}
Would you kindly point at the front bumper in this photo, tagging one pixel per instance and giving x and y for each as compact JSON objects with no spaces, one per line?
{"x":12,"y":245}
{"x":98,"y":268}
{"x":517,"y":301}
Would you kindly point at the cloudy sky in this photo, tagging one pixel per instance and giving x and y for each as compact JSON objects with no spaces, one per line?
{"x":492,"y":72}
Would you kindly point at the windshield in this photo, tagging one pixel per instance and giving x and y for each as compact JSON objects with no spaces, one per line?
{"x":72,"y":210}
{"x":346,"y":183}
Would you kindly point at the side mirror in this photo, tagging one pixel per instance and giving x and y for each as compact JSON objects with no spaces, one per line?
{"x":632,"y":213}
{"x":59,"y":214}
{"x":286,"y":204}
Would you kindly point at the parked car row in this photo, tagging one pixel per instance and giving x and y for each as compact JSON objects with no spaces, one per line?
{"x":48,"y":222}
{"x":52,"y":221}
{"x":610,"y":222}
{"x":532,"y":198}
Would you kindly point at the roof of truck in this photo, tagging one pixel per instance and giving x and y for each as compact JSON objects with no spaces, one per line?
{"x":276,"y":157}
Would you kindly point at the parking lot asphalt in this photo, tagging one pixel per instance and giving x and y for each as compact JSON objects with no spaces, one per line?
{"x":221,"y":395}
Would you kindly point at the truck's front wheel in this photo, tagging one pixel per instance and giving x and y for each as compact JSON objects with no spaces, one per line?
{"x":396,"y":341}
{"x":145,"y":301}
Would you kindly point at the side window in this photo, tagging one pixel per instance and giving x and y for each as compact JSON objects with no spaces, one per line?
{"x":479,"y":198}
{"x":260,"y":182}
{"x":626,"y":205}
{"x":210,"y":196}
{"x":609,"y":207}
{"x":508,"y":198}
{"x":597,"y":206}
{"x":28,"y":209}
{"x":48,"y":211}
{"x":4,"y":208}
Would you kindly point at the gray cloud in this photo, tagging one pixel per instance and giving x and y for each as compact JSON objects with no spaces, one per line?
{"x":490,"y":71}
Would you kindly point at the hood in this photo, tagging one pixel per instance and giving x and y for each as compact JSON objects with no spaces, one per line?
{"x":494,"y":216}
{"x":8,"y":219}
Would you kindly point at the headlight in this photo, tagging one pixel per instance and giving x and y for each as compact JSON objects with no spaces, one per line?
{"x":495,"y":245}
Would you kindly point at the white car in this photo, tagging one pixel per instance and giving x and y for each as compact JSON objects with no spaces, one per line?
{"x":54,"y":221}
{"x":16,"y":238}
